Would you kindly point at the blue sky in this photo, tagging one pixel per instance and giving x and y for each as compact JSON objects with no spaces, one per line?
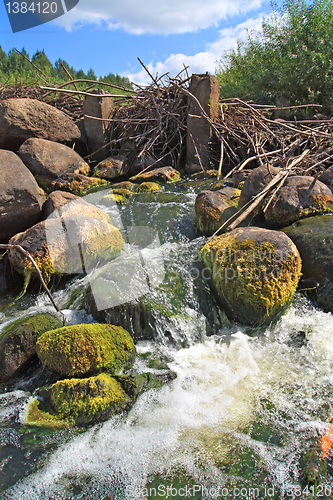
{"x":109,"y":35}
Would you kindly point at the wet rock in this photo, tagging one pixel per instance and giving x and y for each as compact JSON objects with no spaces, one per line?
{"x":213,"y":208}
{"x":314,"y":239}
{"x":61,"y":203}
{"x":21,"y":119}
{"x":49,"y":160}
{"x":21,"y":199}
{"x":77,"y":184}
{"x":299,"y":197}
{"x":77,"y":401}
{"x":70,"y":245}
{"x":254,"y":273}
{"x":18,"y":342}
{"x":162,"y":174}
{"x":112,"y":168}
{"x":147,"y":187}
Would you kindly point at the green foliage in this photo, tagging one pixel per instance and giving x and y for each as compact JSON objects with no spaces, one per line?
{"x":289,"y":59}
{"x":15,"y":69}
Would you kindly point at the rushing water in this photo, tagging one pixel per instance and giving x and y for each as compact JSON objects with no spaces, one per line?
{"x":233,"y":424}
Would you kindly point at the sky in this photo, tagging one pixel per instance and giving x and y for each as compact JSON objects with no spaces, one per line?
{"x":110,"y":35}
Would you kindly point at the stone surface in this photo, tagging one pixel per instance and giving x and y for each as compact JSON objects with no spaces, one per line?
{"x":70,"y":245}
{"x":21,"y":119}
{"x":327,"y":177}
{"x":50,"y":159}
{"x":21,"y":199}
{"x":61,"y":203}
{"x":18,"y":342}
{"x":314,"y":239}
{"x":112,"y":168}
{"x":254,"y":272}
{"x":299,"y":197}
{"x":259,"y":178}
{"x":213,"y":208}
{"x":77,"y":184}
{"x":78,"y":350}
{"x":162,"y":174}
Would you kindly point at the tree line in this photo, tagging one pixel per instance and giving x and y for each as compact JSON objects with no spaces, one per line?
{"x":289,"y":60}
{"x":15,"y":68}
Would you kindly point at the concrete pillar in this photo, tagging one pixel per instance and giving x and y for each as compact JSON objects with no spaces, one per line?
{"x":207,"y":90}
{"x":97,"y":131}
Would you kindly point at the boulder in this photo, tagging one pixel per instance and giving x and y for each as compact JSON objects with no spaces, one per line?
{"x":213,"y":208}
{"x":147,"y":187}
{"x":162,"y":174}
{"x":314,"y":239}
{"x":78,"y":350}
{"x":21,"y":199}
{"x":254,"y":272}
{"x":112,"y":168}
{"x":61,"y":203}
{"x":18,"y":342}
{"x":299,"y":197}
{"x":77,"y":184}
{"x":327,"y":177}
{"x":77,"y":401}
{"x":67,"y":245}
{"x":255,"y":182}
{"x":47,"y":159}
{"x":21,"y":119}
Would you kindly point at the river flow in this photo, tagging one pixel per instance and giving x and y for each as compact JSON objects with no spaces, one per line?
{"x":235,"y":423}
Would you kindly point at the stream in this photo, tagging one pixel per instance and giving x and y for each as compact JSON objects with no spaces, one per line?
{"x":235,"y":422}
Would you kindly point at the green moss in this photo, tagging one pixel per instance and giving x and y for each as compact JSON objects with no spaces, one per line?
{"x":80,"y":349}
{"x":250,"y":278}
{"x":122,"y":192}
{"x":31,"y":326}
{"x":111,"y":199}
{"x":39,"y":418}
{"x":82,"y":400}
{"x":147,"y":187}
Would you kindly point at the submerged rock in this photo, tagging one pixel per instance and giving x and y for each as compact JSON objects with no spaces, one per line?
{"x":21,"y":199}
{"x":254,"y":271}
{"x":18,"y":342}
{"x":213,"y":208}
{"x":78,"y":350}
{"x":314,"y":239}
{"x":68,"y":245}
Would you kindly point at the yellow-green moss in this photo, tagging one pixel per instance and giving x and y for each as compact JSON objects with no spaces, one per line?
{"x":122,"y":192}
{"x":147,"y":187}
{"x":31,"y":326}
{"x":80,"y":349}
{"x":251,"y":279}
{"x":82,"y":400}
{"x":38,"y":418}
{"x":111,"y":199}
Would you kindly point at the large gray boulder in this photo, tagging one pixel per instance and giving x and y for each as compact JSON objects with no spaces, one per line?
{"x":213,"y":208}
{"x":21,"y":199}
{"x":61,"y":203}
{"x":327,"y":177}
{"x":314,"y":239}
{"x":299,"y":197}
{"x":21,"y":119}
{"x":256,"y":181}
{"x":50,"y":159}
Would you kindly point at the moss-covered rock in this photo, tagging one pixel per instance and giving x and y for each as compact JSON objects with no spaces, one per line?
{"x":78,"y":350}
{"x":112,"y":168}
{"x":162,"y":174}
{"x":18,"y":342}
{"x":59,"y":245}
{"x":147,"y":187}
{"x":77,"y":184}
{"x":213,"y":208}
{"x":110,"y":199}
{"x":77,"y":401}
{"x":254,"y":271}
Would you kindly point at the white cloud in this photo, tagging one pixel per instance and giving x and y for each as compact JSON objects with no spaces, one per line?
{"x":152,"y":16}
{"x":202,"y":61}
